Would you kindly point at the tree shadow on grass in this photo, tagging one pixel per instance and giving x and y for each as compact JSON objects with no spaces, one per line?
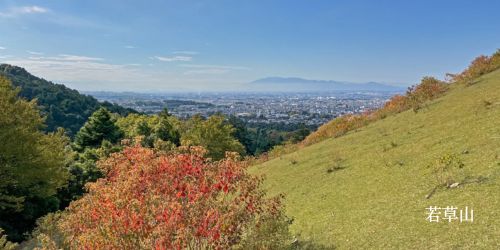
{"x":309,"y":245}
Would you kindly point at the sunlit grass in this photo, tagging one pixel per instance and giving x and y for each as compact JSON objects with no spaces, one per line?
{"x":375,"y":196}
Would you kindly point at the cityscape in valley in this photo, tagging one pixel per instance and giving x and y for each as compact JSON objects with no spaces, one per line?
{"x":311,"y":109}
{"x":249,"y":125}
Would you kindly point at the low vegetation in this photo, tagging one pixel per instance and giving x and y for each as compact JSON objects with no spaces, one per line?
{"x":416,"y":97}
{"x":478,"y":67}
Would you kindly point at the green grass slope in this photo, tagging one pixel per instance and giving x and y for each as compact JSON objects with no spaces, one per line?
{"x":374,"y":195}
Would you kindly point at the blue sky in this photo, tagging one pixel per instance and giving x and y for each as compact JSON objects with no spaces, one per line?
{"x":126,"y":45}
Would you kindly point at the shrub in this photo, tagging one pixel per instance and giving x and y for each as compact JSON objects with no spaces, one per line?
{"x":479,"y":66}
{"x":428,"y":89}
{"x":268,"y":232}
{"x":447,"y":169}
{"x":153,"y":200}
{"x":280,"y":150}
{"x":396,"y":104}
{"x":338,"y":127}
{"x":47,"y":235}
{"x":4,"y":243}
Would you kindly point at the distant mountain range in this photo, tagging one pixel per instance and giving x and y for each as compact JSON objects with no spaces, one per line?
{"x":295,"y":84}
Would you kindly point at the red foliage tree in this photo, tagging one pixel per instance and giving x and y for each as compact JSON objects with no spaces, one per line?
{"x":479,"y":66}
{"x":151,"y":200}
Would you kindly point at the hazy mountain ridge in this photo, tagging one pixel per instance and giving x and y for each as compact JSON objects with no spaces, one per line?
{"x":300,"y":84}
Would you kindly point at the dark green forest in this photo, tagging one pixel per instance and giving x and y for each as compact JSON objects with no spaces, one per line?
{"x":62,"y":106}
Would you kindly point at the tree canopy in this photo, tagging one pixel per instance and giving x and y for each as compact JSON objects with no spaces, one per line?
{"x":32,"y":163}
{"x":214,"y":134}
{"x":100,"y":126}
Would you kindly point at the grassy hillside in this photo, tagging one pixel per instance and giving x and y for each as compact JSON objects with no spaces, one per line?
{"x":369,"y":187}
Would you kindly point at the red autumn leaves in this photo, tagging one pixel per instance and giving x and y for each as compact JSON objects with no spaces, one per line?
{"x":154,"y":200}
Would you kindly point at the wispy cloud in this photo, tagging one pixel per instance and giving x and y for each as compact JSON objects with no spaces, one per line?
{"x":129,"y":47}
{"x":2,"y":48}
{"x":53,"y":17}
{"x":207,"y":69}
{"x":90,"y":71}
{"x":32,"y":9}
{"x":173,"y":58}
{"x":34,"y":53}
{"x":85,"y":72}
{"x":64,"y":57}
{"x":186,"y":52}
{"x":206,"y":72}
{"x":23,"y":10}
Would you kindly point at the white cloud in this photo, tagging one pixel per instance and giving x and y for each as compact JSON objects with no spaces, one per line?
{"x":23,"y":10}
{"x":173,"y":58}
{"x":129,"y":47}
{"x":66,"y":57}
{"x":34,"y":53}
{"x":32,"y":9}
{"x":63,"y":57}
{"x":2,"y":48}
{"x":186,"y":52}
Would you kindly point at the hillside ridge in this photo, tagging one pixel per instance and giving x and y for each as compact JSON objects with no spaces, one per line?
{"x":379,"y":179}
{"x":62,"y":106}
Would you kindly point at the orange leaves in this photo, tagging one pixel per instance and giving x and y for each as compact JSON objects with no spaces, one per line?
{"x":151,"y":200}
{"x":337,"y":127}
{"x":478,"y":67}
{"x":428,"y":89}
{"x":416,"y":96}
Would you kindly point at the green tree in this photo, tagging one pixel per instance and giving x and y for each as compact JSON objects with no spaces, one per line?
{"x":32,"y":163}
{"x":83,"y":170}
{"x":241,"y":133}
{"x":152,"y":128}
{"x":299,"y":134}
{"x":165,"y":128}
{"x":214,"y":134}
{"x":100,"y":126}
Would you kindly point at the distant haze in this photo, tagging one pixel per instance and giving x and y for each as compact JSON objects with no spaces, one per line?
{"x":295,"y":84}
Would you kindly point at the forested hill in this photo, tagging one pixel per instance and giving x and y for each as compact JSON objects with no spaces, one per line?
{"x":63,"y":107}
